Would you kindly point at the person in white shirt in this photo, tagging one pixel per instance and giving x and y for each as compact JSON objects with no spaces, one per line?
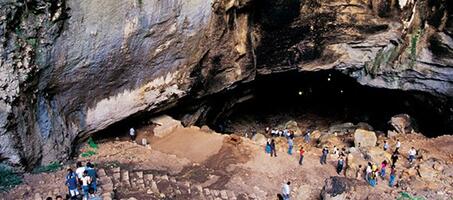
{"x":335,"y":152}
{"x":398,"y":145}
{"x":286,"y":191}
{"x":368,"y":171}
{"x":412,"y":154}
{"x":79,"y":171}
{"x":132,"y":134}
{"x":86,"y":181}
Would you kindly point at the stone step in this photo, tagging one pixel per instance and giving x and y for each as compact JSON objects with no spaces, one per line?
{"x":162,"y":186}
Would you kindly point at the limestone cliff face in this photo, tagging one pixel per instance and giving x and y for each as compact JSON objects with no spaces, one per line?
{"x":72,"y":68}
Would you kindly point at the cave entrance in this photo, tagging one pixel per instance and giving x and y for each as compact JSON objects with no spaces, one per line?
{"x":323,"y":98}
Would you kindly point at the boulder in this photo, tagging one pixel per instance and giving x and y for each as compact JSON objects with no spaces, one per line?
{"x":427,"y":172}
{"x":364,"y":138}
{"x":315,"y":134}
{"x":391,"y":134}
{"x":292,"y":126}
{"x":165,"y":125}
{"x":328,"y":140}
{"x":353,"y":160}
{"x":365,"y":126}
{"x":340,"y":188}
{"x":341,"y":129}
{"x":259,"y":139}
{"x":376,"y":155}
{"x":402,"y":123}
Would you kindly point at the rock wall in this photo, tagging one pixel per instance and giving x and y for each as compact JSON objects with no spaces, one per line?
{"x":71,"y":68}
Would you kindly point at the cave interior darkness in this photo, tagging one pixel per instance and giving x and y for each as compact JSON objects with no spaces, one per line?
{"x":317,"y":99}
{"x":337,"y":98}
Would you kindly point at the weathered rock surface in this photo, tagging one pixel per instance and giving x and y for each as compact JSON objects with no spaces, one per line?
{"x":364,"y":138}
{"x":72,"y":68}
{"x":259,"y":139}
{"x":402,"y":123}
{"x":164,"y":125}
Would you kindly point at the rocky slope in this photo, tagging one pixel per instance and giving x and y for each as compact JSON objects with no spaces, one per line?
{"x":72,"y":68}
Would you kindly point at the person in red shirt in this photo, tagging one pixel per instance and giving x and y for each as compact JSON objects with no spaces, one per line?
{"x":301,"y":152}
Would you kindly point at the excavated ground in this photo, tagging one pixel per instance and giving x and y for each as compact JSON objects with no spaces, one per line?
{"x":194,"y":163}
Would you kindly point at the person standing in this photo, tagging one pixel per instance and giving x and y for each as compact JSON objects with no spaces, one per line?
{"x":340,"y":165}
{"x":273,"y":148}
{"x":398,"y":145}
{"x":394,"y":157}
{"x":301,"y":153}
{"x":307,"y":136}
{"x":386,"y":145}
{"x":79,"y":171}
{"x":325,"y":152}
{"x":286,"y":191}
{"x":412,"y":153}
{"x":359,"y":172}
{"x":86,"y":181}
{"x":392,"y":176}
{"x":383,"y":167}
{"x":93,"y":175}
{"x":71,"y":182}
{"x":368,"y":172}
{"x":290,"y":146}
{"x":335,"y":152}
{"x":132,"y":134}
{"x":372,"y":180}
{"x":268,"y":146}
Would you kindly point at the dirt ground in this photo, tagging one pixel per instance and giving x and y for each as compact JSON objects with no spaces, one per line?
{"x":229,"y":162}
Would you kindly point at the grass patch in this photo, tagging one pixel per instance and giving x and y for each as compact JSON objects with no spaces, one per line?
{"x":8,"y":178}
{"x":406,"y":196}
{"x":88,"y":154}
{"x":52,"y":167}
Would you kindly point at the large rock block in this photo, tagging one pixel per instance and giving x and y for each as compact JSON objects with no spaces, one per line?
{"x":293,"y":126}
{"x":402,"y":123}
{"x":165,"y":125}
{"x":259,"y":139}
{"x":376,"y":155}
{"x":364,"y":138}
{"x":328,"y":140}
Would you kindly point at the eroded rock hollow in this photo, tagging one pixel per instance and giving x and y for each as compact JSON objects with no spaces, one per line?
{"x":72,"y":68}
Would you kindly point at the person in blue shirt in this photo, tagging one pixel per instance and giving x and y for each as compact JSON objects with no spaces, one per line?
{"x":71,"y":182}
{"x":93,"y":175}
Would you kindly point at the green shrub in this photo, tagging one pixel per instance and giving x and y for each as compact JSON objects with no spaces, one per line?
{"x":92,"y":144}
{"x":52,"y":167}
{"x":8,"y":178}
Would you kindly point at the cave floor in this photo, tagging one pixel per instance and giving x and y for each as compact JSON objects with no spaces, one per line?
{"x":219,"y":165}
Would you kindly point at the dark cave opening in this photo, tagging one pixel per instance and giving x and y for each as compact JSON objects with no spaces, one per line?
{"x":333,"y":97}
{"x":317,"y":99}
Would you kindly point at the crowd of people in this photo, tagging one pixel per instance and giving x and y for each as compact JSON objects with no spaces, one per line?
{"x":84,"y":179}
{"x":371,"y":173}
